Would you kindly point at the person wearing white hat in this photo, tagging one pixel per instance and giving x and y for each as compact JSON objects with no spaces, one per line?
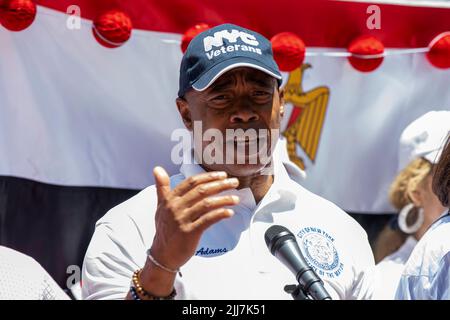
{"x":427,"y":272}
{"x":411,"y":194}
{"x":424,"y":137}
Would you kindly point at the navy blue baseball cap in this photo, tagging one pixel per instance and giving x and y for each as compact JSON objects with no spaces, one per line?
{"x":217,"y":50}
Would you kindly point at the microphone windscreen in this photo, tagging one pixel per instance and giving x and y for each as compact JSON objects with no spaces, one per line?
{"x":274,"y":234}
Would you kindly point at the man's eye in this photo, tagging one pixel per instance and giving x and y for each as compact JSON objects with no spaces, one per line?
{"x":221,"y":97}
{"x":261,"y":93}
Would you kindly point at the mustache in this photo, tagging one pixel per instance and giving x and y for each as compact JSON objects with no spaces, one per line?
{"x":247,"y":134}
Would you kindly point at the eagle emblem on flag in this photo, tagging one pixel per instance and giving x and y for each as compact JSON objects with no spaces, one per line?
{"x":306,"y":121}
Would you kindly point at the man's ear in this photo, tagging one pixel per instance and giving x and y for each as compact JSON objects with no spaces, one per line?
{"x":185,"y":112}
{"x":281,"y":96}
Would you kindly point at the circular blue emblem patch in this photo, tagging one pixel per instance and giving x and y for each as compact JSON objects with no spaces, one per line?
{"x":321,"y":251}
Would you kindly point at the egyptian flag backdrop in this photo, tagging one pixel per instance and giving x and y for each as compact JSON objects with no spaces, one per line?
{"x":86,"y":113}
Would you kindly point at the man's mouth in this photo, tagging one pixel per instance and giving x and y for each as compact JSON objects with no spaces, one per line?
{"x":248,"y":136}
{"x":251,"y":144}
{"x":245,"y":140}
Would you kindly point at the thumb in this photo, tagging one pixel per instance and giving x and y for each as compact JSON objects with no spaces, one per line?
{"x":162,"y":182}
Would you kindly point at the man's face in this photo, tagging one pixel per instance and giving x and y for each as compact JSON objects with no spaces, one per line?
{"x":242,"y":98}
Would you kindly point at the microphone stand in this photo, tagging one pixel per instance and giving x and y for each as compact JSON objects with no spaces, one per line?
{"x":296,"y":291}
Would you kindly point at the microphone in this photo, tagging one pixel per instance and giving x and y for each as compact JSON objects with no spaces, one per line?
{"x":282,"y":244}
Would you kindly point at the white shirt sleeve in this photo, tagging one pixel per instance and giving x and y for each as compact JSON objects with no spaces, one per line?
{"x":427,"y":272}
{"x":425,"y":286}
{"x":119,"y":247}
{"x":111,"y":259}
{"x":440,"y":283}
{"x":108,"y":266}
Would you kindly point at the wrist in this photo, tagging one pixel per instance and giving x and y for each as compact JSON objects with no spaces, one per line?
{"x":160,"y":258}
{"x":156,"y":281}
{"x":138,"y":291}
{"x":159,"y":264}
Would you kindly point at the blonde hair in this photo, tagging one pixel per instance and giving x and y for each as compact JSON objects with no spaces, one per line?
{"x":407,"y":181}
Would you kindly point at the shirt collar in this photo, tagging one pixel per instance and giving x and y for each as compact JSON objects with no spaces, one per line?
{"x":281,"y":182}
{"x":439,"y":220}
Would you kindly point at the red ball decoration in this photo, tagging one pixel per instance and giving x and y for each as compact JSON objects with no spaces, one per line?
{"x":439,"y":54}
{"x":16,"y":15}
{"x":365,"y":45}
{"x":191,"y":33}
{"x":288,"y":51}
{"x":112,"y":29}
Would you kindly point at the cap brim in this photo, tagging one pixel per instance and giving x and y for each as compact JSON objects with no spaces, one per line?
{"x":433,"y":156}
{"x":208,"y":78}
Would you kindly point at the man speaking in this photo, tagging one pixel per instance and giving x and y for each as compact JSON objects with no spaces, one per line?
{"x":200,"y":234}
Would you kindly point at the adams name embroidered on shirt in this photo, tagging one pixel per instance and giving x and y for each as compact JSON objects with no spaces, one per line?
{"x":209,"y":252}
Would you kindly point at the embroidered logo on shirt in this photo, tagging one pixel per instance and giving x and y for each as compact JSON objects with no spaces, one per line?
{"x":210,"y":252}
{"x":318,"y":248}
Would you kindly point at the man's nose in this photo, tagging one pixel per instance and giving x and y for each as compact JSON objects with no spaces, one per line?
{"x":244,"y":115}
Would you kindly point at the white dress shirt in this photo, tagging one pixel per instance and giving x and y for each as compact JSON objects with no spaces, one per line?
{"x":427,"y":272}
{"x":232,"y":260}
{"x":22,"y":278}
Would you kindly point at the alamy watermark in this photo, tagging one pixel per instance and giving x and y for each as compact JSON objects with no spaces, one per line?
{"x":73,"y":22}
{"x":213,"y":146}
{"x":374,"y":20}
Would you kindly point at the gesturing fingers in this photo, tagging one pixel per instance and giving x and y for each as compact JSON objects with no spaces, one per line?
{"x":204,"y":190}
{"x":212,"y":217}
{"x":162,"y":183}
{"x":209,"y":204}
{"x":194,"y":181}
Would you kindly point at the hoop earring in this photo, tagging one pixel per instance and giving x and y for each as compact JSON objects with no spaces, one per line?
{"x":403,"y":217}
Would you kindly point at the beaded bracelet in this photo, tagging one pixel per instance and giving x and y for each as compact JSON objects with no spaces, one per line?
{"x":134,"y":294}
{"x":142,"y":294}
